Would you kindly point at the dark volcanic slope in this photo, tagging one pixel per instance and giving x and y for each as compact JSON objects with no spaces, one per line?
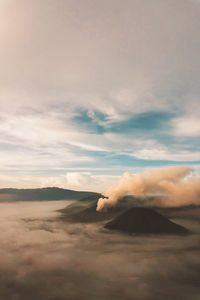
{"x":90,"y":215}
{"x":44,"y":194}
{"x":144,"y":220}
{"x":86,"y":212}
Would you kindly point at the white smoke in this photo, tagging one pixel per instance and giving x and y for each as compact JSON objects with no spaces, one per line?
{"x":170,"y":181}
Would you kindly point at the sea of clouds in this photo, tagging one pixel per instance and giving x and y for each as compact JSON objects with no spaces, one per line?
{"x":42,"y":257}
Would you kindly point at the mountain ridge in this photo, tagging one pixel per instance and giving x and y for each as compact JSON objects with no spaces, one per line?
{"x":42,"y":194}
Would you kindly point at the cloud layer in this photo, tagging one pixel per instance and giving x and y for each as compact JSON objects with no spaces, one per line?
{"x":98,"y":84}
{"x":44,"y":258}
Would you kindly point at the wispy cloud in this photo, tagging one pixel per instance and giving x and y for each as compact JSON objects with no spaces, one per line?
{"x":99,"y":85}
{"x":187,"y":126}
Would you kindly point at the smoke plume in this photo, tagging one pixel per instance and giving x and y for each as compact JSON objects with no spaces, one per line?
{"x":170,"y":181}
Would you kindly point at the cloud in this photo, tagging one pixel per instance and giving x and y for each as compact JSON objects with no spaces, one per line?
{"x":74,"y":71}
{"x":81,"y":180}
{"x":39,"y":145}
{"x":186,"y":126}
{"x":44,"y":258}
{"x":164,"y":153}
{"x":80,"y":79}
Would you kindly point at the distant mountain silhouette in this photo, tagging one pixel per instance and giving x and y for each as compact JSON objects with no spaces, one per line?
{"x":43,"y":194}
{"x":144,"y":220}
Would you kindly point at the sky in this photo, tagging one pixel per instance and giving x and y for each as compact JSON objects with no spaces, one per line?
{"x":91,"y":89}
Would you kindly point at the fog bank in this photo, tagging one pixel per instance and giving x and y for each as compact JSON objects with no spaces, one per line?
{"x":42,"y":257}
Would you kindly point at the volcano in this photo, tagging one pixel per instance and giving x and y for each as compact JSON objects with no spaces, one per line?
{"x":89,"y":214}
{"x":144,"y":220}
{"x":84,"y":211}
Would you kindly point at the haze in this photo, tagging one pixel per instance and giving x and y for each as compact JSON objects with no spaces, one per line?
{"x":43,"y":257}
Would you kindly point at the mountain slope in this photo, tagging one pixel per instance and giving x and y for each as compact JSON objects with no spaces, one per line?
{"x":144,"y":220}
{"x":43,"y":194}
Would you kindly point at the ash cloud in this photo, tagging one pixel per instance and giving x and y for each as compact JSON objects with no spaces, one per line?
{"x":172,"y":182}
